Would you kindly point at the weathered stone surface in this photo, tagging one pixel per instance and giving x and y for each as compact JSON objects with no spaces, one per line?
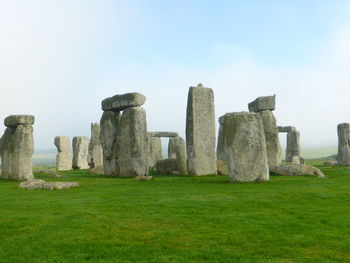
{"x":109,"y":138}
{"x":286,"y":128}
{"x":15,"y":120}
{"x":200,"y":131}
{"x":273,"y":147}
{"x":172,"y":148}
{"x":293,"y":147}
{"x":180,"y":151}
{"x":80,"y":152}
{"x":262,"y":103}
{"x":132,"y":153}
{"x":16,"y":149}
{"x":95,"y":154}
{"x":163,"y":134}
{"x":220,"y":154}
{"x":41,"y":184}
{"x":245,"y":147}
{"x":222,"y":167}
{"x":296,"y":160}
{"x":166,"y":166}
{"x":296,"y":170}
{"x":121,"y":102}
{"x":97,"y":170}
{"x":154,"y":152}
{"x":64,"y":157}
{"x":343,"y":130}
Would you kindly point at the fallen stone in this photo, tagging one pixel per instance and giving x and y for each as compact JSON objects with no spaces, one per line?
{"x":80,"y":152}
{"x":296,"y":170}
{"x":64,"y":156}
{"x":163,"y":134}
{"x":343,"y":130}
{"x":143,"y":178}
{"x":222,"y":167}
{"x":15,"y":120}
{"x":330,"y":162}
{"x":263,"y":103}
{"x":121,"y":102}
{"x":245,"y":147}
{"x":200,"y":131}
{"x":32,"y":184}
{"x":41,"y":184}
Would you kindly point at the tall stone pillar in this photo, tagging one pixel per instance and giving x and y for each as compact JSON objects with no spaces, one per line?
{"x":64,"y":156}
{"x":80,"y":152}
{"x":200,"y":131}
{"x":293,"y":147}
{"x":343,"y":144}
{"x":95,"y":155}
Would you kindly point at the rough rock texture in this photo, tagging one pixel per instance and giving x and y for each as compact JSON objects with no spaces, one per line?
{"x":166,"y":166}
{"x":16,"y":149}
{"x":220,"y":155}
{"x":222,"y":167}
{"x":80,"y":152}
{"x":95,"y":154}
{"x":15,"y":120}
{"x":163,"y":134}
{"x":97,"y":170}
{"x":286,"y":128}
{"x":132,"y":153}
{"x":262,"y":103}
{"x":180,"y":151}
{"x":296,"y":169}
{"x":343,"y":130}
{"x":296,"y":160}
{"x":120,"y":102}
{"x":293,"y":147}
{"x":41,"y":184}
{"x":200,"y":131}
{"x":109,"y":138}
{"x":172,"y":148}
{"x":64,"y":156}
{"x":154,"y":152}
{"x":273,"y":147}
{"x":245,"y":147}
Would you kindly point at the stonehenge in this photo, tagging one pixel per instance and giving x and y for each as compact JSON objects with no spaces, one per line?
{"x":343,"y":131}
{"x":154,"y":151}
{"x":80,"y":152}
{"x":245,"y":147}
{"x":16,"y":147}
{"x":200,"y":131}
{"x":124,"y":135}
{"x":64,"y":156}
{"x":264,"y":107}
{"x":95,"y":155}
{"x":293,"y":147}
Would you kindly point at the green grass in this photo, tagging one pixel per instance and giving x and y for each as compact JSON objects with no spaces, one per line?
{"x":178,"y":219}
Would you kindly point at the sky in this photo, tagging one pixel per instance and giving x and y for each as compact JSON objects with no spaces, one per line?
{"x":60,"y":58}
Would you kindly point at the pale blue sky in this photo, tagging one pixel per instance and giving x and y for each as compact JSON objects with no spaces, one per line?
{"x":59,"y":59}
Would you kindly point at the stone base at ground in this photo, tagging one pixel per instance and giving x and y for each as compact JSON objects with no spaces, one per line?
{"x":166,"y":166}
{"x":143,"y":178}
{"x":296,"y":170}
{"x":41,"y":184}
{"x":97,"y":170}
{"x":222,"y":167}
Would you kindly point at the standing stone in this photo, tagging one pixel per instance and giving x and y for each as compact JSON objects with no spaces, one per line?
{"x":80,"y":152}
{"x":16,"y":148}
{"x":200,"y":131}
{"x":273,"y":146}
{"x":220,"y":155}
{"x":109,"y":138}
{"x":132,"y":153}
{"x":180,"y":152}
{"x":245,"y":147}
{"x":154,"y":151}
{"x":293,"y":148}
{"x":172,"y":148}
{"x":95,"y":155}
{"x":343,"y":144}
{"x":64,"y":156}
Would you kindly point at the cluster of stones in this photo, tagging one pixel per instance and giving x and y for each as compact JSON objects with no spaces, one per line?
{"x":123,"y":135}
{"x":16,"y":148}
{"x":293,"y":146}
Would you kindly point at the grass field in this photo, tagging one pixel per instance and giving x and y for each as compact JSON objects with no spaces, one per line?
{"x":178,"y":219}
